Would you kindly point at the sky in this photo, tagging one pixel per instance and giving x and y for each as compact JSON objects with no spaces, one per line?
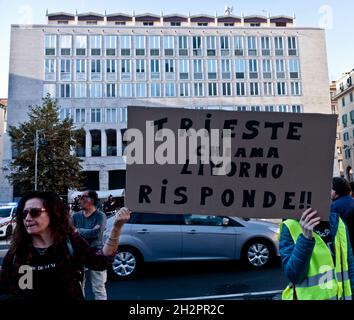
{"x":334,"y":16}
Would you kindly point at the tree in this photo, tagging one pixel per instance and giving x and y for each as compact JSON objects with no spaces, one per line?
{"x":58,"y":168}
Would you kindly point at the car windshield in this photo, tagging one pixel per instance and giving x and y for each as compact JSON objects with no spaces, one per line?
{"x":5,"y":212}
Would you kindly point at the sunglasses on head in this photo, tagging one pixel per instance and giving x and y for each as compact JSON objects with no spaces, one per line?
{"x":33,"y":212}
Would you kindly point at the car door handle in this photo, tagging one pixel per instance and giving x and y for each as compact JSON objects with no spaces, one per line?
{"x":192,"y":231}
{"x":143,"y":231}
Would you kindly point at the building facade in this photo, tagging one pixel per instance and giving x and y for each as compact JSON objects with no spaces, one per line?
{"x":344,"y":98}
{"x":97,"y":65}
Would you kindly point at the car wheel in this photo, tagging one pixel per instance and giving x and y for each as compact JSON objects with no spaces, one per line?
{"x":8,"y":232}
{"x":126,"y":263}
{"x":258,"y":253}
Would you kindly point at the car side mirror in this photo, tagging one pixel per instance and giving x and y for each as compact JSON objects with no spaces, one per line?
{"x":225,"y":221}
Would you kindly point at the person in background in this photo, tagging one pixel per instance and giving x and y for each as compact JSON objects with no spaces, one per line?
{"x":343,"y":204}
{"x":110,"y":205}
{"x":91,"y":223}
{"x":45,"y":240}
{"x":317,"y":258}
{"x":351,"y":183}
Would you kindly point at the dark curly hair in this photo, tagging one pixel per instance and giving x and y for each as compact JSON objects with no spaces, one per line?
{"x":59,"y":223}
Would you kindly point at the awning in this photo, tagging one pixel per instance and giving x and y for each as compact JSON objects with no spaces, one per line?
{"x":101,"y":194}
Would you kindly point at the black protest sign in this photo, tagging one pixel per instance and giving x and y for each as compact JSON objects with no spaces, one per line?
{"x":247,"y":164}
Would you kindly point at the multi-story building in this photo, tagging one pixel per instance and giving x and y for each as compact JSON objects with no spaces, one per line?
{"x":96,"y":65}
{"x":338,"y":158}
{"x":344,"y":97}
{"x":3,"y":117}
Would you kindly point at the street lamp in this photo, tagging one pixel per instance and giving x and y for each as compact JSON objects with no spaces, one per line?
{"x":36,"y":145}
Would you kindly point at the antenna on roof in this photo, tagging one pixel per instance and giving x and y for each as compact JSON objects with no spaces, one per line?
{"x":46,"y":12}
{"x":75,"y":11}
{"x":105,"y":12}
{"x":228,"y":11}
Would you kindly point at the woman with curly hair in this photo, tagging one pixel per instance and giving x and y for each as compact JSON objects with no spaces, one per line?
{"x":47,"y":255}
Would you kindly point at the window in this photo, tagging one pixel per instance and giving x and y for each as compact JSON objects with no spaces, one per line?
{"x":226,"y":89}
{"x":197,"y":45}
{"x":95,"y":69}
{"x":265,"y":44}
{"x":175,"y":24}
{"x":240,"y":89}
{"x":80,"y":70}
{"x":111,"y":115}
{"x":212,"y":69}
{"x":140,"y":45}
{"x":123,"y":115}
{"x":110,"y":90}
{"x":169,"y":66}
{"x":239,"y":46}
{"x":199,"y":89}
{"x":155,"y":69}
{"x":170,"y":90}
{"x":211,"y":45}
{"x":281,"y":88}
{"x":80,"y":90}
{"x":111,"y":69}
{"x":140,"y":90}
{"x":267,"y":69}
{"x":120,"y":23}
{"x":344,"y":120}
{"x":294,"y":68}
{"x":200,"y":220}
{"x":343,"y":102}
{"x":64,"y":113}
{"x":198,"y":69}
{"x":283,"y":108}
{"x":96,"y":115}
{"x":80,"y":116}
{"x":49,"y":88}
{"x":292,"y":46}
{"x":183,"y":69}
{"x":253,"y":69}
{"x":168,"y":45}
{"x":126,"y":90}
{"x":254,"y":88}
{"x":268,"y":88}
{"x":50,"y":44}
{"x":65,"y":90}
{"x":252,"y":45}
{"x":212,"y":89}
{"x":226,"y":69}
{"x":296,"y":109}
{"x":157,"y":219}
{"x":110,"y":44}
{"x":125,"y":45}
{"x":295,"y":88}
{"x":50,"y":70}
{"x":241,"y":108}
{"x":183,"y":45}
{"x":269,"y":108}
{"x":140,"y":69}
{"x":351,"y":97}
{"x":95,"y":90}
{"x":184,"y":89}
{"x":65,"y":45}
{"x":240,"y":68}
{"x":279,"y":46}
{"x":225,"y":45}
{"x":95,"y":45}
{"x":155,"y":90}
{"x":65,"y":70}
{"x":80,"y":45}
{"x":346,"y":136}
{"x":125,"y":69}
{"x":280,"y":68}
{"x":154,"y":45}
{"x":255,"y":108}
{"x":352,"y":117}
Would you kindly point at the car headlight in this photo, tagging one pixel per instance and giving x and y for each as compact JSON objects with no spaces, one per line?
{"x":275,"y":229}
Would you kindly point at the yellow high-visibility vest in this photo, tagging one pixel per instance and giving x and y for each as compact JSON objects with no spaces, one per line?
{"x":325,"y":279}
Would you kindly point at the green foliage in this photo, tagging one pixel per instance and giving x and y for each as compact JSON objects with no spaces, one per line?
{"x":58,"y":170}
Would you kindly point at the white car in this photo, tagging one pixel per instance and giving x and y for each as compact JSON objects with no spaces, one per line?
{"x":7,"y":219}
